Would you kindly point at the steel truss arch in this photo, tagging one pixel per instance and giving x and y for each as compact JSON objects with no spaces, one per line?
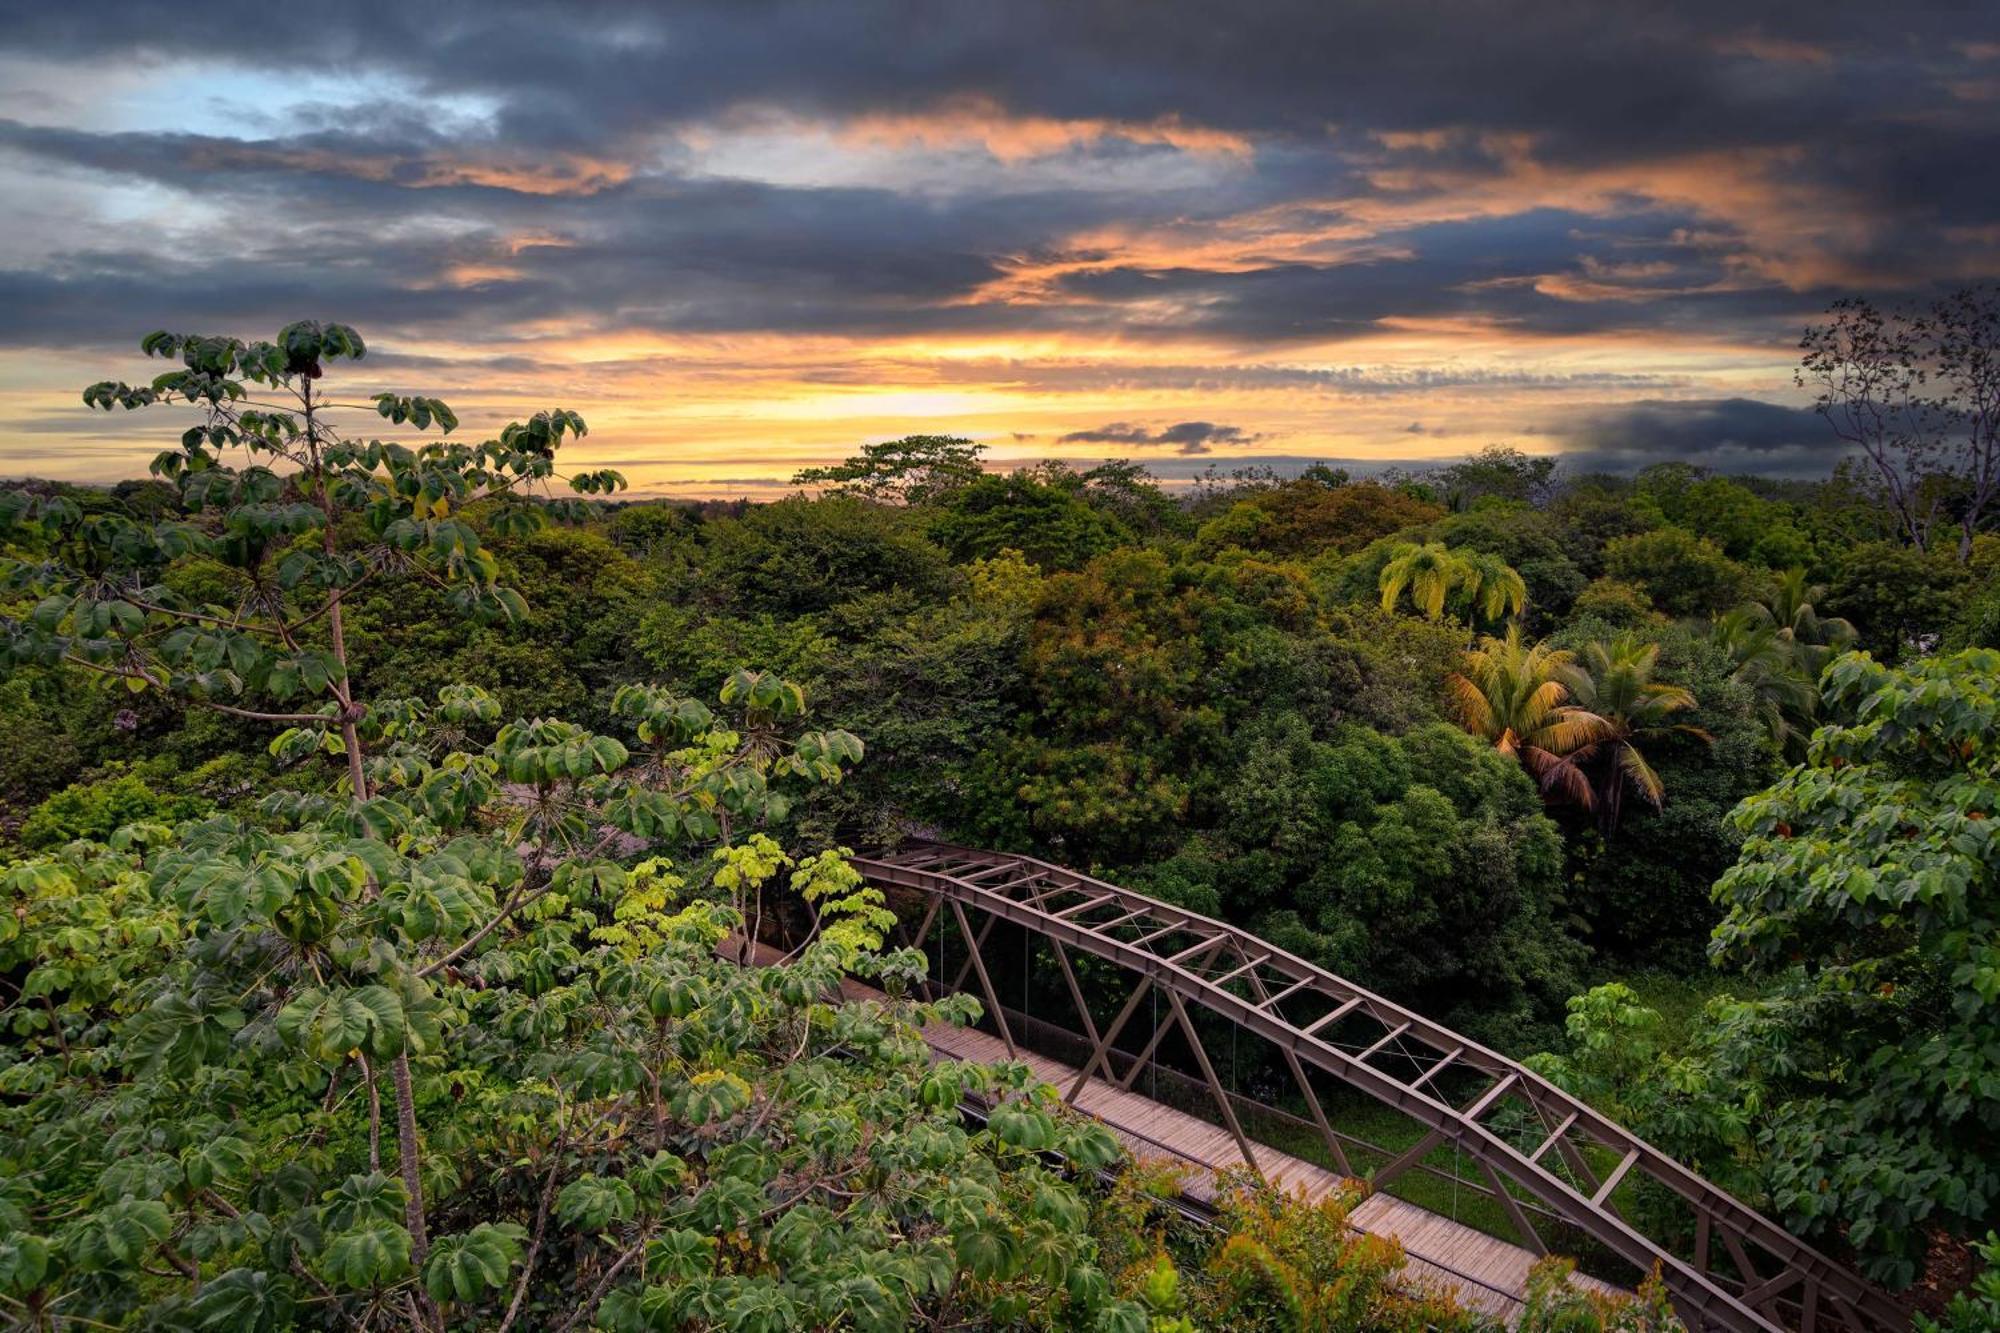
{"x":1258,"y":987}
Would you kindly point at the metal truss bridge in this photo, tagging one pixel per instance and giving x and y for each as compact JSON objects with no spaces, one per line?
{"x":1562,"y":1176}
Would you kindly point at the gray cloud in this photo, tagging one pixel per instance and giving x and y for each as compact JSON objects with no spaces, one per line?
{"x":1189,"y":437}
{"x":1726,"y":434}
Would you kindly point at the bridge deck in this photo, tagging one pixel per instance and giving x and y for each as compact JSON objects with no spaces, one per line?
{"x":1484,"y":1272}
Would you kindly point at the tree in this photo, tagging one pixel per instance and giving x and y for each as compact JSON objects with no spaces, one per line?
{"x":1779,"y":644}
{"x":1515,"y":695}
{"x":1866,"y":900}
{"x":1128,"y":493}
{"x":1310,"y":515}
{"x":1054,"y":526}
{"x":104,"y":608}
{"x":1734,"y":513}
{"x":1489,"y":586}
{"x":1616,"y":603}
{"x":1918,"y":394}
{"x":915,"y":470}
{"x":1897,"y":597}
{"x":1766,"y":665}
{"x":593,"y":1082}
{"x":1428,"y":571}
{"x":1617,"y":704}
{"x":801,"y":556}
{"x":1685,"y":575}
{"x":1499,"y":472}
{"x":1789,"y":608}
{"x":1480,"y":584}
{"x":1643,"y":889}
{"x":1287,"y":1264}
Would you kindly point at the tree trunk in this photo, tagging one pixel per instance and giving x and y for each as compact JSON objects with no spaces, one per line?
{"x":350,"y":736}
{"x":406,"y":1151}
{"x":374,"y":1116}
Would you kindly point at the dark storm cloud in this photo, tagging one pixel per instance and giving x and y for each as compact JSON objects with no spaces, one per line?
{"x":1726,"y":434}
{"x":1655,"y":76}
{"x":1714,"y":168}
{"x":1189,"y":437}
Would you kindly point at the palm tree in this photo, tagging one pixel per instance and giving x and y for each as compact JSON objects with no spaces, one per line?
{"x":1619,"y":704}
{"x":1514,"y":695}
{"x":1428,"y":571}
{"x":1436,"y":575}
{"x":1789,"y":610}
{"x":1491,"y":585}
{"x":1778,"y":645}
{"x":1768,"y":667}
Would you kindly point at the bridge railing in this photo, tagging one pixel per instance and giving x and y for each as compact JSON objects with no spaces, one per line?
{"x":1286,"y":1130}
{"x":1456,"y":1091}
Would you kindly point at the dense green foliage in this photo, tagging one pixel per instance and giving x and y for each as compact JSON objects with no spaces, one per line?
{"x":1856,"y":1087}
{"x":410,"y":806}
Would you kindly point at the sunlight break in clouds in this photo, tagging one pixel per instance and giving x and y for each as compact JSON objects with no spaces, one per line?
{"x":741,"y":245}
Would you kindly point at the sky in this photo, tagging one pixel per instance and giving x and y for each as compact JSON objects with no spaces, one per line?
{"x":744,"y":238}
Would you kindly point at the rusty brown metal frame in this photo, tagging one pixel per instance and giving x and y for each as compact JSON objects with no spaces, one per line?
{"x":1166,"y":947}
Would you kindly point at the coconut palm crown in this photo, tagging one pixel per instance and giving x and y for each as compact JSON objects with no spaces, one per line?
{"x":1514,"y":695}
{"x":1617,"y":704}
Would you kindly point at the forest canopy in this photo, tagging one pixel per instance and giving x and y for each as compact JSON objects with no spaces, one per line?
{"x":384,"y":829}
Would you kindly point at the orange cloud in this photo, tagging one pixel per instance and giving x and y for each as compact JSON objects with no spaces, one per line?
{"x":1011,"y":137}
{"x":1776,"y":228}
{"x":552,"y":174}
{"x":1781,"y":50}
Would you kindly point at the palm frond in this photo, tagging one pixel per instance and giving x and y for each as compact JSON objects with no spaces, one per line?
{"x":1575,"y":730}
{"x":1565,"y":780}
{"x":1641,"y":775}
{"x":1469,"y":704}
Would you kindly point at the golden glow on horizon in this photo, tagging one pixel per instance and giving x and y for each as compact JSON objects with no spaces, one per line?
{"x":721,"y":416}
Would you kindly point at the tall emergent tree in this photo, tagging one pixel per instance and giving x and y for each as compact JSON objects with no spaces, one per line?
{"x":312,"y":515}
{"x":1918,"y":394}
{"x":914,"y":470}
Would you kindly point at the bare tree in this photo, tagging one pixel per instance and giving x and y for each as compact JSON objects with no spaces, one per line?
{"x":1964,"y":333}
{"x":1918,"y":394}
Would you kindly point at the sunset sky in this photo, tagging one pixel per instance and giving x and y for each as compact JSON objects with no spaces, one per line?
{"x":743,"y":238}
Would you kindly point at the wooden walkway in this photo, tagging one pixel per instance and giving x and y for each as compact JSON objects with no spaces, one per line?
{"x":1482,"y":1271}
